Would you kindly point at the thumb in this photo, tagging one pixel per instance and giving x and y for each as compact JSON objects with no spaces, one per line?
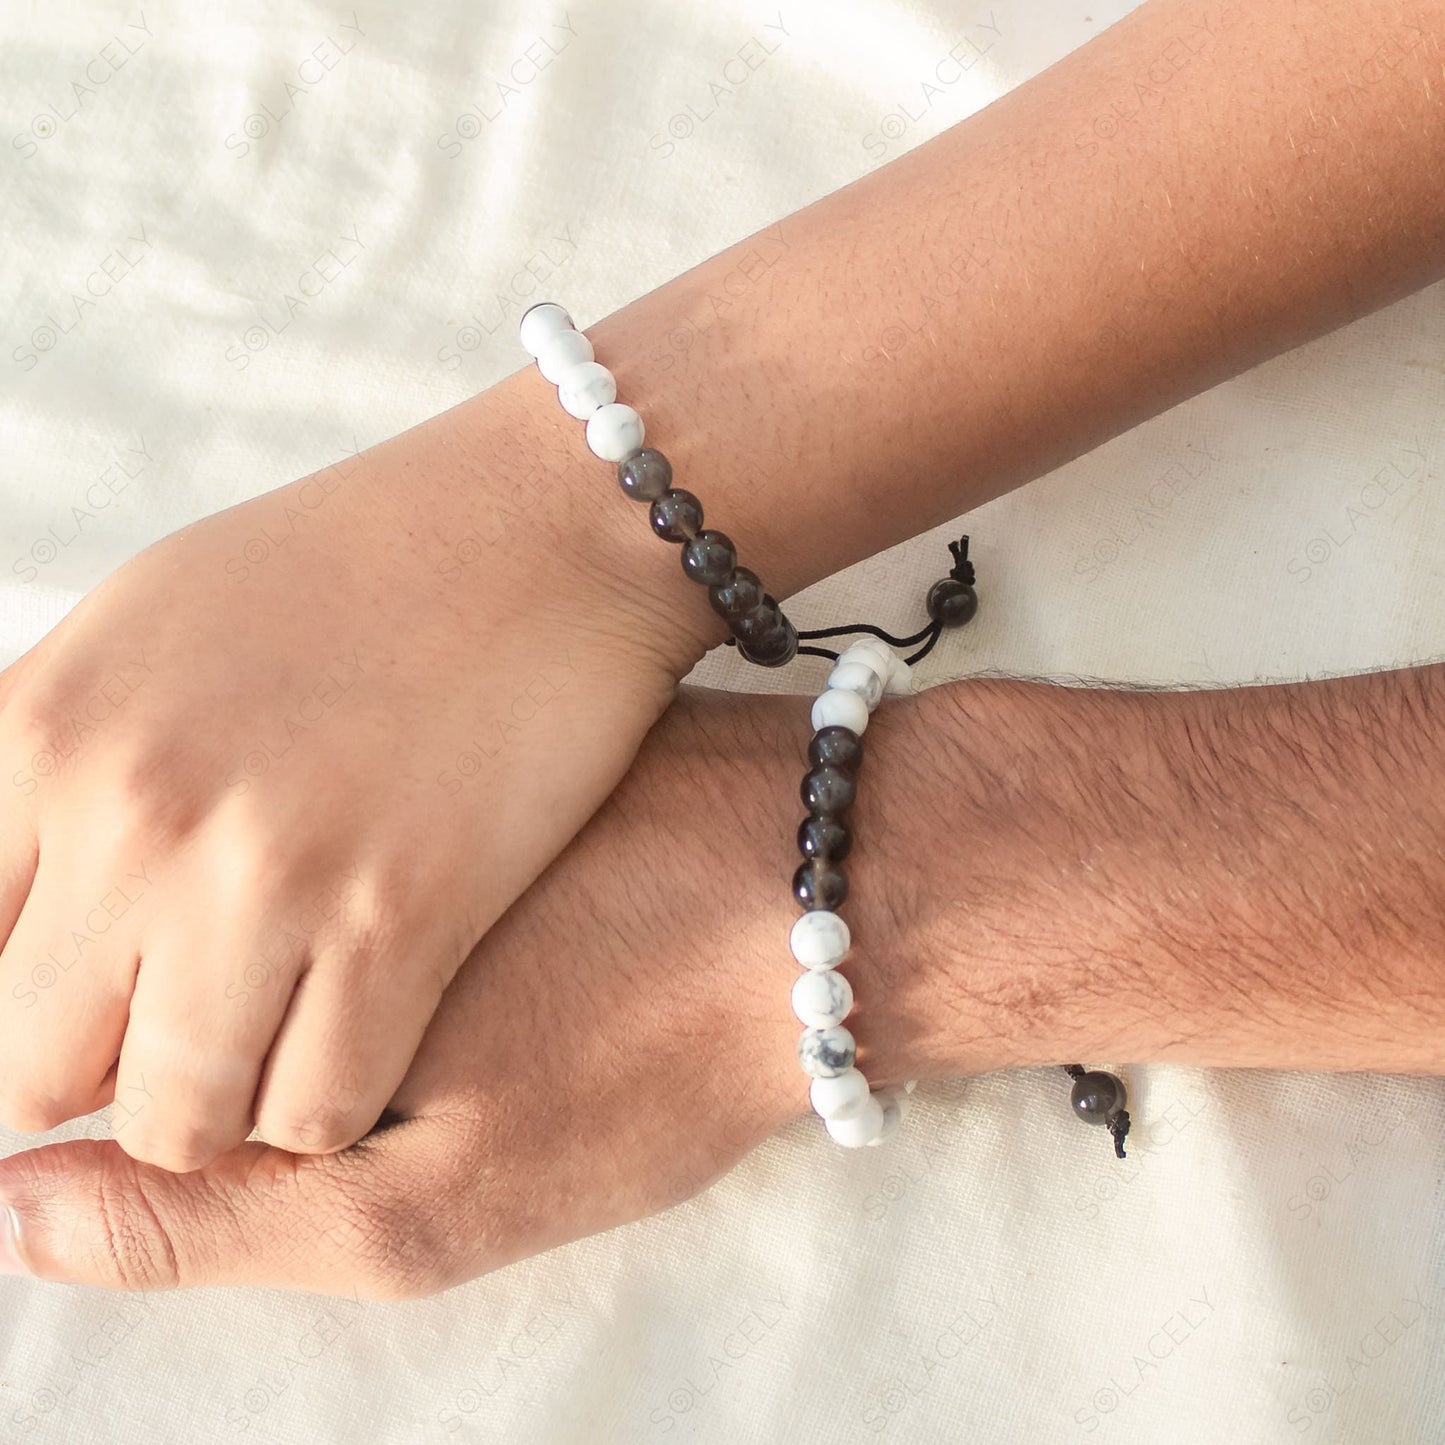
{"x":85,"y":1212}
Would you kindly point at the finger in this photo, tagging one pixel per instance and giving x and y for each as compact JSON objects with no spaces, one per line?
{"x":348,"y":1224}
{"x":66,"y":974}
{"x":354,"y":1025}
{"x":197,"y":1038}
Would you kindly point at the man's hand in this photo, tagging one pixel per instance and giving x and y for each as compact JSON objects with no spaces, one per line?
{"x":1250,"y":877}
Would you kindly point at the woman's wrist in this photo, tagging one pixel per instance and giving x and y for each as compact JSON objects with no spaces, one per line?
{"x":503,"y":484}
{"x":1001,"y":299}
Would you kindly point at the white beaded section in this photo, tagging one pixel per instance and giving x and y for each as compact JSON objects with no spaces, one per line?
{"x":820,"y":939}
{"x":843,"y":1094}
{"x":584,"y":387}
{"x":614,"y":431}
{"x":887,"y":662}
{"x":560,"y":353}
{"x":860,"y":677}
{"x":540,"y":324}
{"x":836,"y":708}
{"x":821,"y":998}
{"x":861,"y":1127}
{"x":894,"y":1103}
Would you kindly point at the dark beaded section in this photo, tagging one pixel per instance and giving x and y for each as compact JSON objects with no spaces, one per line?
{"x":756,"y":626}
{"x":775,"y":647}
{"x":709,"y":558}
{"x":952,"y":602}
{"x":676,"y":515}
{"x":828,"y":790}
{"x":762,"y":632}
{"x":836,"y":747}
{"x":645,"y":475}
{"x":1096,"y":1096}
{"x":826,"y":838}
{"x":736,"y":596}
{"x":817,"y":884}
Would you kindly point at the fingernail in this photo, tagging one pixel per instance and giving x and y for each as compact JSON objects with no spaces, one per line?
{"x":11,"y":1261}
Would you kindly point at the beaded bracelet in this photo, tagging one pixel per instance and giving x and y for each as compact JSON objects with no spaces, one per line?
{"x":588,"y":391}
{"x":822,"y":998}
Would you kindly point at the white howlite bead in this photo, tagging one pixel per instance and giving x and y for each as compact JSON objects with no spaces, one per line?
{"x":821,"y":998}
{"x":542,"y":323}
{"x":836,"y":708}
{"x":859,"y":1128}
{"x":891,"y":1101}
{"x":872,"y":653}
{"x":858,"y":677}
{"x":825,"y":1053}
{"x":900,"y":678}
{"x":837,"y":1097}
{"x":585,"y":387}
{"x":560,"y":353}
{"x":871,"y":650}
{"x":820,"y":939}
{"x":614,"y":431}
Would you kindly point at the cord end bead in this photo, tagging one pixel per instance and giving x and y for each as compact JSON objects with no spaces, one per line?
{"x":952,"y":602}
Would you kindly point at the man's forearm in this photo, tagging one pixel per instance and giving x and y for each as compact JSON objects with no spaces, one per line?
{"x":1202,"y":186}
{"x":1252,"y":877}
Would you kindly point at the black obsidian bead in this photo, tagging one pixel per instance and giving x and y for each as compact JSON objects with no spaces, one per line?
{"x":826,"y":838}
{"x":820,"y":885}
{"x":1097,"y":1096}
{"x":676,"y":515}
{"x":828,"y":790}
{"x":836,"y":747}
{"x":737,"y":595}
{"x":645,"y":475}
{"x":709,"y":557}
{"x":775,"y":648}
{"x":952,"y":602}
{"x":755,"y":626}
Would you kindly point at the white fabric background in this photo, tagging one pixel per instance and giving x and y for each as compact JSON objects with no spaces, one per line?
{"x":1268,"y":1264}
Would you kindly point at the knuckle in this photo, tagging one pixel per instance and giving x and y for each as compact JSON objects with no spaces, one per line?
{"x":369,"y":922}
{"x":33,"y":724}
{"x":145,"y":804}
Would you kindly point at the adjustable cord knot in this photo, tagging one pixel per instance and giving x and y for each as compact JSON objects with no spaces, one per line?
{"x":962,"y":570}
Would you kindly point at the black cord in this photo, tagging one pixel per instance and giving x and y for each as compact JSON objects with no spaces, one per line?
{"x":931,"y":633}
{"x":1118,"y":1127}
{"x":877,"y":632}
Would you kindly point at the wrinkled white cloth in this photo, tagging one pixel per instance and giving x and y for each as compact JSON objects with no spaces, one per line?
{"x":1267,"y":1264}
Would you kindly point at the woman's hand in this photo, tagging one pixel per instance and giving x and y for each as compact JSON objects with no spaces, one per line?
{"x":267,"y":785}
{"x":619,"y":1039}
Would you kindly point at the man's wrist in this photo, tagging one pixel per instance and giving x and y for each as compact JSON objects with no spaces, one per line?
{"x":1236,"y":878}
